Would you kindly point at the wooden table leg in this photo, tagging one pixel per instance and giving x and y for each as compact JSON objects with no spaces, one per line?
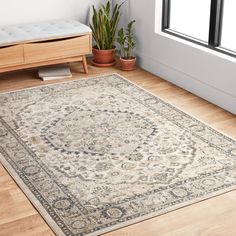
{"x":84,"y":60}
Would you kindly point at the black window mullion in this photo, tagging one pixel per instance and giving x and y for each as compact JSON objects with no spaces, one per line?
{"x":215,"y":22}
{"x":166,"y":14}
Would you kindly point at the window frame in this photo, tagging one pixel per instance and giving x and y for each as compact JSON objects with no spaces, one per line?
{"x":215,"y":27}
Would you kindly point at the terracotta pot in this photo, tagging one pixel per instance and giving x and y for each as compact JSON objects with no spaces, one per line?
{"x":103,"y":58}
{"x":127,"y":64}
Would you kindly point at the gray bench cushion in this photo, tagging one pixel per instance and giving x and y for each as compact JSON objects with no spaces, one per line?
{"x":15,"y":34}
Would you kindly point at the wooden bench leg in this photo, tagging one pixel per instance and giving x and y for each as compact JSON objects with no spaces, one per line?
{"x":84,"y":60}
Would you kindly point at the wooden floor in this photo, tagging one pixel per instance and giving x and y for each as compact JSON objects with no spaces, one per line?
{"x":213,"y":217}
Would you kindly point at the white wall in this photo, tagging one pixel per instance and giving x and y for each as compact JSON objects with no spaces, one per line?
{"x":206,"y":74}
{"x":24,"y":11}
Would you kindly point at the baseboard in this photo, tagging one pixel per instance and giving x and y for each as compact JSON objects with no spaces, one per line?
{"x":193,"y":85}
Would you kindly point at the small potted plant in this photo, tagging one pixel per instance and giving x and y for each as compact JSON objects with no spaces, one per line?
{"x":127,"y":44}
{"x":104,"y":26}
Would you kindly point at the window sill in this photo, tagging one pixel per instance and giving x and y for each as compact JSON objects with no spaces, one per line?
{"x":221,"y":53}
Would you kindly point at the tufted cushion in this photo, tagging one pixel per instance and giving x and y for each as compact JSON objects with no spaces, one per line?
{"x":15,"y":34}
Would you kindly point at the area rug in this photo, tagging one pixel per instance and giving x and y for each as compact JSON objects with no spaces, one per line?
{"x":98,"y":154}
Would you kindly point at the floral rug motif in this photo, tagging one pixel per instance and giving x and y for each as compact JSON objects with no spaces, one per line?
{"x":98,"y":154}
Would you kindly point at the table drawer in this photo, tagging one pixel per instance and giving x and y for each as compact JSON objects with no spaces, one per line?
{"x":49,"y":50}
{"x":12,"y":55}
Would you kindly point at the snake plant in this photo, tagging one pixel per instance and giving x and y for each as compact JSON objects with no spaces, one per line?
{"x":104,"y":25}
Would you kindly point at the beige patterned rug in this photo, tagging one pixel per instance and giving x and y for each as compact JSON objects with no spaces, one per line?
{"x":98,"y":154}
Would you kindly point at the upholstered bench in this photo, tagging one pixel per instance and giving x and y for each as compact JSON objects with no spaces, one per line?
{"x":44,"y":43}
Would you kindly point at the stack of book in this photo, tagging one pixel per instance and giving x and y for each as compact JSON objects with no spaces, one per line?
{"x":54,"y":72}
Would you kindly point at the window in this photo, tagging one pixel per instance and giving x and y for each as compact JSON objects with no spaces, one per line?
{"x":185,"y":18}
{"x":206,"y":22}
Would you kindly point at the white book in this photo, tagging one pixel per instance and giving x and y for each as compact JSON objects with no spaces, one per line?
{"x":54,"y":71}
{"x":55,"y":77}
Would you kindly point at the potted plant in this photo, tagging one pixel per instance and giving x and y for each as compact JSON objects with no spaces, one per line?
{"x":104,"y":26}
{"x":127,"y":44}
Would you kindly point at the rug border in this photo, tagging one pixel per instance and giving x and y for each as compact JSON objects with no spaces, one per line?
{"x":56,"y":229}
{"x":138,"y":86}
{"x":181,"y":109}
{"x":61,"y":82}
{"x":48,"y":219}
{"x":32,"y":199}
